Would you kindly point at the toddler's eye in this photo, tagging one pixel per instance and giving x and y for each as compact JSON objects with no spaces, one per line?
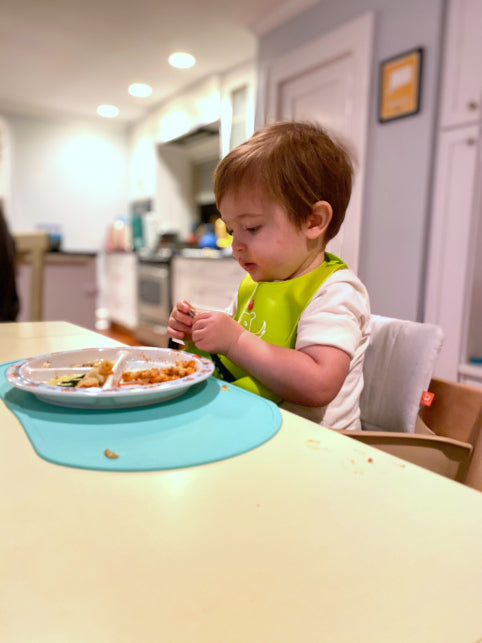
{"x":254,"y":229}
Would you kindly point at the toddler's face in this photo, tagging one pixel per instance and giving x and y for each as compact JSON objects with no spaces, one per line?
{"x":265,"y":241}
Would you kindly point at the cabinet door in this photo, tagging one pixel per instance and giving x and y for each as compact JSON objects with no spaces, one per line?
{"x":452,"y":243}
{"x":119,"y":282}
{"x":462,"y":84}
{"x":237,"y":107}
{"x":70,"y":289}
{"x":206,"y":283}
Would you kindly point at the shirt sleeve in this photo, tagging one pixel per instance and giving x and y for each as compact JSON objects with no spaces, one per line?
{"x":338,"y":314}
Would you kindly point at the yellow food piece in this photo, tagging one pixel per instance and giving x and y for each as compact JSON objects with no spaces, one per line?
{"x":97,"y":376}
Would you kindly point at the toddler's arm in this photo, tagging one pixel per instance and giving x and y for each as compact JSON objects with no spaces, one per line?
{"x":309,"y":377}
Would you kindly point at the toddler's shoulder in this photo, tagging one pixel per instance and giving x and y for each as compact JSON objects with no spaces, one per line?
{"x":337,"y":315}
{"x":344,"y":281}
{"x":343,"y":293}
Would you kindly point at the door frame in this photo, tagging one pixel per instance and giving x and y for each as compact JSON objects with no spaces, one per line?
{"x":354,"y":38}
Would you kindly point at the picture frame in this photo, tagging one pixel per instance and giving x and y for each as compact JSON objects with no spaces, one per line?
{"x":400,"y":85}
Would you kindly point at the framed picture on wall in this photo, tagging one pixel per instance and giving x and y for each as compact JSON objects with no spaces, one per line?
{"x":400,"y":85}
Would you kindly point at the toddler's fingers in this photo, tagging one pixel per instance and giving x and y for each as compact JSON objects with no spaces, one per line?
{"x":180,"y":320}
{"x":186,"y":308}
{"x":174,"y":333}
{"x":200,"y":321}
{"x":202,"y":314}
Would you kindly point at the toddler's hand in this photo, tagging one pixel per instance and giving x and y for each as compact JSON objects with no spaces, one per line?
{"x":180,"y":320}
{"x":215,"y":332}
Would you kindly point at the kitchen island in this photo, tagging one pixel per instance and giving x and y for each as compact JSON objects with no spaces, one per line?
{"x":311,"y":536}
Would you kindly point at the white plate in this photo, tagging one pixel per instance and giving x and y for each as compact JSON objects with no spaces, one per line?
{"x":32,"y":375}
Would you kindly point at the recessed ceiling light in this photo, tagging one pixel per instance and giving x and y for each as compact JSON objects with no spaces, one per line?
{"x":181,"y":60}
{"x":108,"y":111}
{"x":141,"y":90}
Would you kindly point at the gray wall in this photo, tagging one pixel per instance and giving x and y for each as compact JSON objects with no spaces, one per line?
{"x":399,"y":153}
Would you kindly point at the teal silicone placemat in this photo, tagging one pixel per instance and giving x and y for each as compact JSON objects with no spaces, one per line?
{"x":206,"y":424}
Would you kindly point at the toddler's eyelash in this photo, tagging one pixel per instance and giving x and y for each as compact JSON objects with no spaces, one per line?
{"x":254,"y":229}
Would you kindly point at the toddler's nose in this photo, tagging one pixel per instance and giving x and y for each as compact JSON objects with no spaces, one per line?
{"x":237,"y":243}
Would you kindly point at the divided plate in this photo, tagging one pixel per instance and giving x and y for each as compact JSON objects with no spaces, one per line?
{"x":32,"y":375}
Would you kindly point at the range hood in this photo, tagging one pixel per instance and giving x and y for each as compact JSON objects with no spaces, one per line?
{"x":200,"y":144}
{"x":197,"y":135}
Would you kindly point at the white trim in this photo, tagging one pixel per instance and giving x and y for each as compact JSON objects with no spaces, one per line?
{"x":280,"y":15}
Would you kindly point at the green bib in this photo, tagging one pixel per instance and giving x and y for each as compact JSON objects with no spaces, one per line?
{"x":271,"y":310}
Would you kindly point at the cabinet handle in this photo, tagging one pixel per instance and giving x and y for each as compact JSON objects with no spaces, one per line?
{"x":471,"y":141}
{"x":472,"y":105}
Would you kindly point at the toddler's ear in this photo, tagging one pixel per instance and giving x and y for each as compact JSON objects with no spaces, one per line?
{"x":319,"y":219}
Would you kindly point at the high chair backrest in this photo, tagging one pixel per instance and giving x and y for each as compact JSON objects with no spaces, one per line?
{"x":399,"y":364}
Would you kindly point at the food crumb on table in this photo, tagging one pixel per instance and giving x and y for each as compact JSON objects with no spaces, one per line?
{"x":313,"y":444}
{"x":110,"y":454}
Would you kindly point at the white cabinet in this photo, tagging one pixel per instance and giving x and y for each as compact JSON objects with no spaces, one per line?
{"x":70,"y":289}
{"x":206,"y":282}
{"x":461,"y":85}
{"x":118,"y":272}
{"x":452,"y":247}
{"x":237,"y":107}
{"x":196,"y":106}
{"x":454,"y":283}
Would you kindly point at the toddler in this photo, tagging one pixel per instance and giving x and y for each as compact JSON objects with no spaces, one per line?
{"x":298,"y":329}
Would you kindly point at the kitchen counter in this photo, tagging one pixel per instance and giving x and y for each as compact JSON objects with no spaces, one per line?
{"x":164,"y":253}
{"x":206,"y":253}
{"x":312,"y":537}
{"x":60,"y":256}
{"x":64,"y":257}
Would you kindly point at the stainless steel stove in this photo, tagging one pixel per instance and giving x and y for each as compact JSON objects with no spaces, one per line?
{"x":154,"y":296}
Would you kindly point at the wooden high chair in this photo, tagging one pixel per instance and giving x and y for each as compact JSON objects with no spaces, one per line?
{"x":31,"y":247}
{"x":445,"y":437}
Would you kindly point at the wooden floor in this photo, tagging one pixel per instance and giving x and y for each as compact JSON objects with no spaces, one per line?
{"x":121,"y":335}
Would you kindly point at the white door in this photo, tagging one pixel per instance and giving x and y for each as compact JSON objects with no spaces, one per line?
{"x":321,"y":94}
{"x":328,"y":81}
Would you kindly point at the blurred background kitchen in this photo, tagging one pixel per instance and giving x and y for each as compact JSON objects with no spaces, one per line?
{"x":110,"y":149}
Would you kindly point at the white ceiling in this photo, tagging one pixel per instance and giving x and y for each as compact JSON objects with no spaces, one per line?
{"x":65,"y":57}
